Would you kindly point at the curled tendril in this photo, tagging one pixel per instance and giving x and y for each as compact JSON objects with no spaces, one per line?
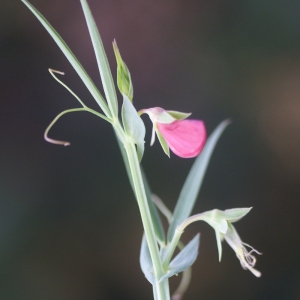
{"x":52,"y":71}
{"x":83,"y":108}
{"x":57,"y":142}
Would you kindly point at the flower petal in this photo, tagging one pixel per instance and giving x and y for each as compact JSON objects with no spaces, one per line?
{"x":247,"y":259}
{"x":186,"y":138}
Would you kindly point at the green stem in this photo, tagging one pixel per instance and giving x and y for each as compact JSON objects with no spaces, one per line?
{"x":161,"y":288}
{"x":177,"y":234}
{"x":187,"y":273}
{"x":172,"y":246}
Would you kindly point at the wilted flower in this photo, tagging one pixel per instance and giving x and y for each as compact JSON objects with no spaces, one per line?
{"x":221,"y":222}
{"x":186,"y":138}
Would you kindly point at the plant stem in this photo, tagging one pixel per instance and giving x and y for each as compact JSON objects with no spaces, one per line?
{"x":161,"y":288}
{"x":172,"y":246}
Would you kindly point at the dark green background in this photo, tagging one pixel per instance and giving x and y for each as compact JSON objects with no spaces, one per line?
{"x":69,"y":225}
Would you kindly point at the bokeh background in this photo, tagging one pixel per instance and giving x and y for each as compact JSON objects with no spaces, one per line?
{"x":69,"y":225}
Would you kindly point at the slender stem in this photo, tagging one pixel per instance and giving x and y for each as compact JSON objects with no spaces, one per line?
{"x":146,"y":219}
{"x":161,"y":288}
{"x":177,"y":234}
{"x":187,"y":273}
{"x":172,"y":246}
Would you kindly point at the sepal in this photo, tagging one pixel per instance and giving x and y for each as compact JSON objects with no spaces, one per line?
{"x":160,"y":115}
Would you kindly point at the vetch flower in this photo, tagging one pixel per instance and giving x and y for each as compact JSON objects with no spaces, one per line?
{"x":186,"y":138}
{"x":221,"y":222}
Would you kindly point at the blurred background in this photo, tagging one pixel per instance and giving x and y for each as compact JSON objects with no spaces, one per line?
{"x":69,"y":225}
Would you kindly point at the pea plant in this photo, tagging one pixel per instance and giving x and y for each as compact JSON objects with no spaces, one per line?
{"x":174,"y":130}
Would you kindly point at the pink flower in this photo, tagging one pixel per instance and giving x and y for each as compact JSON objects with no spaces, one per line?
{"x":186,"y":138}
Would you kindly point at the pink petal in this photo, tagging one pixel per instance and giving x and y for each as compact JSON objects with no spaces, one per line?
{"x":186,"y":138}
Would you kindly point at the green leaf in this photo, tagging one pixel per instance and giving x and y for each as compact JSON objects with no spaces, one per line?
{"x":191,"y":187}
{"x":105,"y":72}
{"x":184,"y":259}
{"x":145,"y":260}
{"x":72,"y":59}
{"x":133,"y":125}
{"x":123,"y":75}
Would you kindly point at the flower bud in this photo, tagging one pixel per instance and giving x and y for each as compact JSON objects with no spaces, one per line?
{"x":123,"y":75}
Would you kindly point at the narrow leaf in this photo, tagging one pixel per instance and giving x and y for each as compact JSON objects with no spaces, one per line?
{"x":191,"y":187}
{"x":145,"y":260}
{"x":72,"y":59}
{"x":105,"y":72}
{"x":184,"y":259}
